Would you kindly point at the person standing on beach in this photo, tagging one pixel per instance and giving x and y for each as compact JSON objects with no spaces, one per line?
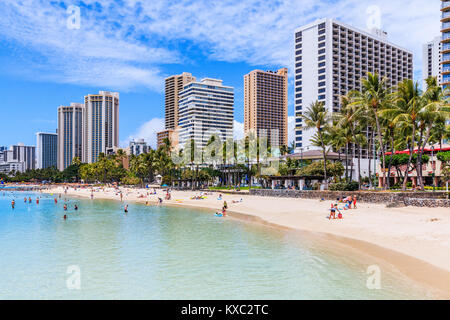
{"x":354,"y":202}
{"x":121,"y":196}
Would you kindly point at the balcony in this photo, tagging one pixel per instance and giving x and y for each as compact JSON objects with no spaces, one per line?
{"x":445,"y":5}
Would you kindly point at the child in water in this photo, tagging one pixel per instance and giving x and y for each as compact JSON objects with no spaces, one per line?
{"x":126,"y":208}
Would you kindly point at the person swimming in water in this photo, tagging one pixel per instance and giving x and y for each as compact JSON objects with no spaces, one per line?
{"x":25,"y":200}
{"x":126,"y":208}
{"x":76,"y":207}
{"x":13,"y":204}
{"x":56,"y":200}
{"x":29,"y":200}
{"x":65,"y":217}
{"x":37,"y":200}
{"x":65,"y":207}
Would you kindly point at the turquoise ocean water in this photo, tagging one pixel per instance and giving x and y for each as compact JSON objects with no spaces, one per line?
{"x":168,"y":253}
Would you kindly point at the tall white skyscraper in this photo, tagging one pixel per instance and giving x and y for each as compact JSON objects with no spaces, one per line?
{"x":70,"y":134}
{"x":431,"y":60}
{"x":206,"y":106}
{"x":330,"y":60}
{"x":101,"y":124}
{"x":46,"y":150}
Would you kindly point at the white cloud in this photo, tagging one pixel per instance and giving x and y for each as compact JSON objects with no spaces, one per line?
{"x":125,"y":46}
{"x":238,"y":130}
{"x":147,"y":131}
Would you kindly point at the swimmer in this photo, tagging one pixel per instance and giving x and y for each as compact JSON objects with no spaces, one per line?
{"x":13,"y":204}
{"x":56,"y":200}
{"x":76,"y":207}
{"x":37,"y":200}
{"x":65,"y":217}
{"x":126,"y":208}
{"x":29,"y":200}
{"x":65,"y":207}
{"x":25,"y":200}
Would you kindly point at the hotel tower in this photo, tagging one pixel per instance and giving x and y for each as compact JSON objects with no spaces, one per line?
{"x":431,"y":60}
{"x":174,"y":85}
{"x":266,"y":103}
{"x":206,"y":106}
{"x":445,"y":45}
{"x":70,"y":134}
{"x":101,"y":120}
{"x":330,"y":60}
{"x":46,"y":150}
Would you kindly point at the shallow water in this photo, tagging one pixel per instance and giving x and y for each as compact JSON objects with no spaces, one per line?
{"x":169,"y":253}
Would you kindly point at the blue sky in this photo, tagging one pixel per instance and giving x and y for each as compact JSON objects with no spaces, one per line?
{"x":130,"y":46}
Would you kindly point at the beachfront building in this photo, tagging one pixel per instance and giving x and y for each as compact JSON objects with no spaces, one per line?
{"x":25,"y":154}
{"x":138,"y":147}
{"x":101,"y":124}
{"x":431,"y":60}
{"x":70,"y":134}
{"x":431,"y":171}
{"x":205,"y":107}
{"x":46,"y":150}
{"x":330,"y":60}
{"x":18,"y":158}
{"x":172,"y":135}
{"x":173,"y":86}
{"x":266,"y":103}
{"x":445,"y":43}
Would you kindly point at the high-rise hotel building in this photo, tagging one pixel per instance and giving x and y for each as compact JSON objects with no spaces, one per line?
{"x":330,"y":60}
{"x":445,"y":45}
{"x":266,"y":103}
{"x":70,"y":134}
{"x":431,"y":60}
{"x":46,"y":150}
{"x":174,"y":85}
{"x":205,"y":106}
{"x":101,"y":118}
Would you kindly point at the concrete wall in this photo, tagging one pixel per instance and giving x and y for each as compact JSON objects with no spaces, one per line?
{"x":421,"y":199}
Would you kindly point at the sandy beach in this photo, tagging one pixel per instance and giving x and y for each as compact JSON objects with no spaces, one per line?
{"x":415,"y":241}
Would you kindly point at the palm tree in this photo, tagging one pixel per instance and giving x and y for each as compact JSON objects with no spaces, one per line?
{"x":374,"y":97}
{"x":317,"y":117}
{"x":432,"y":116}
{"x":405,"y":113}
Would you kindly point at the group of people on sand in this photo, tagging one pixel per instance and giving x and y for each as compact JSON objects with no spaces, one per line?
{"x":347,"y":202}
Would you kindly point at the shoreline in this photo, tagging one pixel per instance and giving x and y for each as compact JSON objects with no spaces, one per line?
{"x":411,"y":256}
